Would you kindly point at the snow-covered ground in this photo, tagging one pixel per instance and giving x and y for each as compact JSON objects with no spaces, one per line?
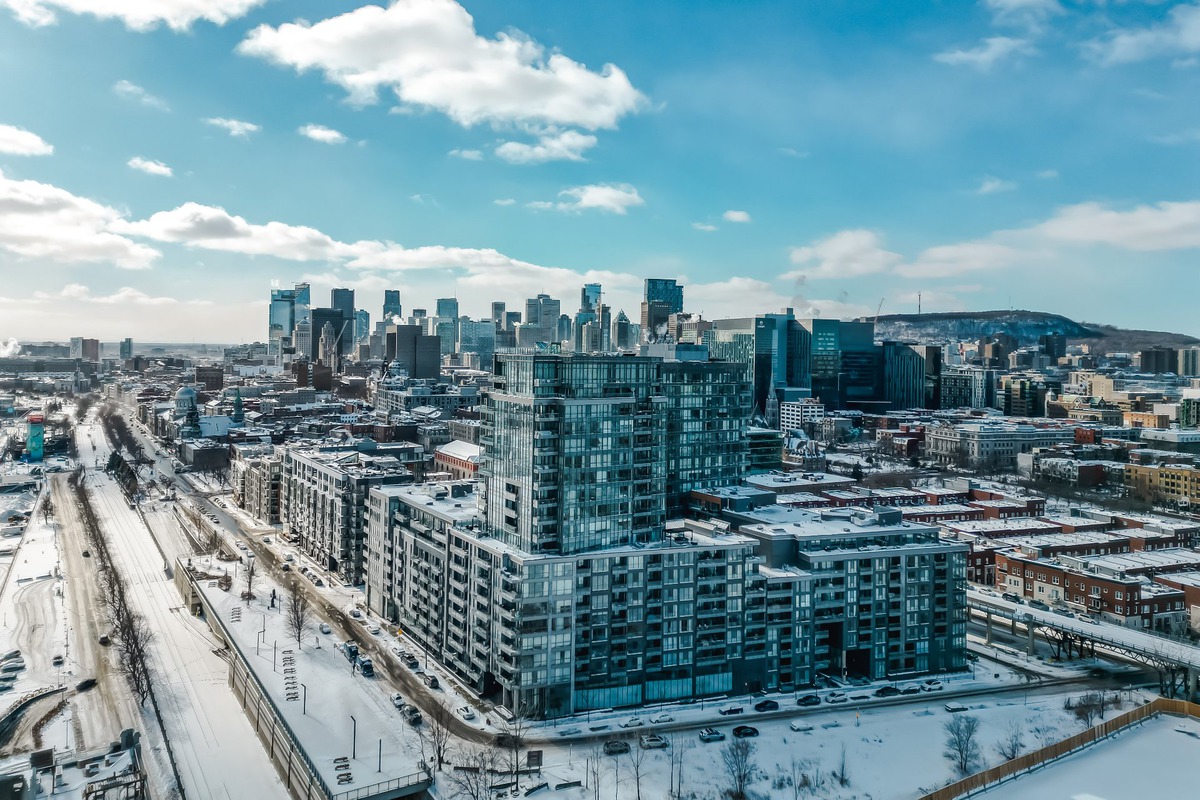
{"x":1155,"y":759}
{"x":218,"y":754}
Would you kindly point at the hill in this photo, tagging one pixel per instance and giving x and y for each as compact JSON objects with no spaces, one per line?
{"x":1025,"y":326}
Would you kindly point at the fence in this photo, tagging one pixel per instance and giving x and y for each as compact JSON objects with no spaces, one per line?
{"x":1021,"y":764}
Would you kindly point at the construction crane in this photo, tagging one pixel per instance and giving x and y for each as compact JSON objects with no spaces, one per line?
{"x":879,"y":308}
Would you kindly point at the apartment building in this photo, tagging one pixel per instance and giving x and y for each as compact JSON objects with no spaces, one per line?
{"x":256,"y":476}
{"x":324,"y":502}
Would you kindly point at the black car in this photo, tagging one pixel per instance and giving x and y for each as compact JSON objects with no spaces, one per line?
{"x":615,"y":747}
{"x":766,"y":705}
{"x":809,"y":700}
{"x":911,"y":689}
{"x":887,"y":691}
{"x":744,"y":732}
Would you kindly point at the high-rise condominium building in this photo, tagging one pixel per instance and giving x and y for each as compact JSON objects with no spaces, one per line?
{"x":343,"y":300}
{"x":391,"y":305}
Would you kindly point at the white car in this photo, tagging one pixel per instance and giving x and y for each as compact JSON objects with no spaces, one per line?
{"x":325,"y":628}
{"x":632,"y":722}
{"x":397,"y":700}
{"x":355,"y":613}
{"x":465,"y":712}
{"x":373,"y":629}
{"x":661,"y":719}
{"x":800,"y":726}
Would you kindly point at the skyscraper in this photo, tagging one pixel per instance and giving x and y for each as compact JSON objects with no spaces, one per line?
{"x":664,"y":290}
{"x":447,"y":307}
{"x":126,"y":349}
{"x":343,"y":300}
{"x":391,"y":304}
{"x":362,"y":324}
{"x":498,"y":315}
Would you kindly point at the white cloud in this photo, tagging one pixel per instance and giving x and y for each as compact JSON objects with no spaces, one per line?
{"x":945,"y":261}
{"x":319,"y":133}
{"x":20,"y":142}
{"x":213,"y":228}
{"x":235,"y":127}
{"x":1182,"y":137}
{"x":989,"y":52}
{"x":45,"y":223}
{"x":704,"y":226}
{"x":991,"y":185}
{"x":150,"y":167}
{"x":736,"y":216}
{"x":131,"y":91}
{"x":1030,"y":13}
{"x":1162,"y":226}
{"x":556,"y":146}
{"x":468,"y":155}
{"x":429,"y":54}
{"x":1178,"y":35}
{"x":504,"y":201}
{"x":138,"y":15}
{"x":126,"y":295}
{"x":845,"y":254}
{"x":616,"y":198}
{"x":1047,"y":174}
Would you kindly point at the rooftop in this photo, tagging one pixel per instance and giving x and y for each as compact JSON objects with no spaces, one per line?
{"x":1010,"y":524}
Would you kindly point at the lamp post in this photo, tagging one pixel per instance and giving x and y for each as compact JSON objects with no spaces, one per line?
{"x":354,"y":738}
{"x":304,"y":703}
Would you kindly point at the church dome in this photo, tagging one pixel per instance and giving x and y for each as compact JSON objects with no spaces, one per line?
{"x":185,"y":393}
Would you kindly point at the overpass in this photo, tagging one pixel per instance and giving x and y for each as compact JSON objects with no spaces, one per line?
{"x":1177,"y":662}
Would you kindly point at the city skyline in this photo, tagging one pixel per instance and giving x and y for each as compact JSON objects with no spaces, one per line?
{"x":1010,"y":153}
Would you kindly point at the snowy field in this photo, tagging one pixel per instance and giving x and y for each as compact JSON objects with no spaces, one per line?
{"x":1155,"y":759}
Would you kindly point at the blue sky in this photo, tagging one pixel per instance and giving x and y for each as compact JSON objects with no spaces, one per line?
{"x":163,"y":164}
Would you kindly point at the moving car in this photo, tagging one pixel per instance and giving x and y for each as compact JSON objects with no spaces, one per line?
{"x":711,"y":735}
{"x":1011,"y":597}
{"x":652,"y":741}
{"x":766,"y":705}
{"x":57,"y":661}
{"x":466,"y":712}
{"x":661,"y":719}
{"x":431,"y":681}
{"x":615,"y":747}
{"x":1039,"y":605}
{"x":745,"y":731}
{"x":412,"y":715}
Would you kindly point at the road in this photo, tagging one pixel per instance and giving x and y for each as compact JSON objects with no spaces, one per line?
{"x":217,"y":752}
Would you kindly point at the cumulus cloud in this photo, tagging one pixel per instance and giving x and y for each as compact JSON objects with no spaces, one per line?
{"x":126,"y":295}
{"x":428,"y":53}
{"x":468,"y":155}
{"x":135,"y":93}
{"x":845,"y":254}
{"x":991,"y":185}
{"x":948,"y":260}
{"x":1161,"y":226}
{"x":234,"y":127}
{"x":504,"y":201}
{"x":137,"y":15}
{"x":319,"y":133}
{"x":557,"y":146}
{"x":736,"y":216}
{"x":1030,"y":13}
{"x":615,"y":198}
{"x":150,"y":167}
{"x":1047,"y":174}
{"x":20,"y":142}
{"x":704,"y":226}
{"x":986,"y":55}
{"x":43,"y":222}
{"x":1178,"y":35}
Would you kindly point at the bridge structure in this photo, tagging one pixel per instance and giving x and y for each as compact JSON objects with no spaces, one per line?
{"x":1177,"y":662}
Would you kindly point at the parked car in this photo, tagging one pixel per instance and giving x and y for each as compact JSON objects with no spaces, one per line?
{"x":955,"y":708}
{"x":661,"y":719}
{"x":324,"y":628}
{"x":745,"y":731}
{"x":652,"y":741}
{"x":887,"y":691}
{"x":366,"y":667}
{"x":105,"y":640}
{"x":397,"y":700}
{"x":766,"y":705}
{"x":711,"y":735}
{"x":809,"y":700}
{"x":411,"y":662}
{"x":800,"y":726}
{"x":58,"y":661}
{"x":286,"y":568}
{"x":87,"y":553}
{"x":355,"y":612}
{"x":1012,"y":597}
{"x":615,"y":747}
{"x":725,"y":712}
{"x":910,"y":688}
{"x":373,"y":629}
{"x":1039,"y":605}
{"x":837,"y":697}
{"x":932,"y":685}
{"x":431,"y":681}
{"x":465,"y":712}
{"x":632,"y":722}
{"x":412,"y":715}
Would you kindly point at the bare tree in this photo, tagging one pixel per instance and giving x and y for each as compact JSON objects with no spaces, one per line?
{"x":738,"y":759}
{"x":801,"y":778}
{"x":47,"y":509}
{"x":472,"y":777}
{"x":133,"y":644}
{"x":1013,"y":743}
{"x":512,"y":738}
{"x":297,"y":614}
{"x":438,"y":732}
{"x":1089,"y":708}
{"x":962,"y":745}
{"x":675,"y":755}
{"x":594,"y":770}
{"x":842,"y":773}
{"x":636,"y":766}
{"x":249,"y":573}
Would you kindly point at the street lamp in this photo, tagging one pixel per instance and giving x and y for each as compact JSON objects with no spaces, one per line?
{"x":354,"y":738}
{"x":304,"y":703}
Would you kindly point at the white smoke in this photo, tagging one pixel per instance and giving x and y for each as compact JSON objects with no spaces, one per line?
{"x":10,"y":348}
